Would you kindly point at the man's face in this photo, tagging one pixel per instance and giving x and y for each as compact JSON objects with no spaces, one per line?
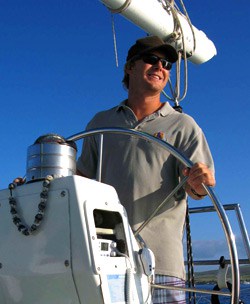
{"x":145,"y":76}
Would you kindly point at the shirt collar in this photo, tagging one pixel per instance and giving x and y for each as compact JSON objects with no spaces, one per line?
{"x":121,"y":106}
{"x":163,"y":111}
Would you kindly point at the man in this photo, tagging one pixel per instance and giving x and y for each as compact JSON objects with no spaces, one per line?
{"x":144,"y":174}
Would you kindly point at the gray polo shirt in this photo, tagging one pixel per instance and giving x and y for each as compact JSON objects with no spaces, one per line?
{"x":143,"y":174}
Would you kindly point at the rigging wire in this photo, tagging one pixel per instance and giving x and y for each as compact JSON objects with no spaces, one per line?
{"x":114,"y":39}
{"x":117,"y":11}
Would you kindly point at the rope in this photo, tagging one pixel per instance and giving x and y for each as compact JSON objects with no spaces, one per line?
{"x":177,"y":96}
{"x":189,"y":22}
{"x":121,"y":8}
{"x":190,"y":262}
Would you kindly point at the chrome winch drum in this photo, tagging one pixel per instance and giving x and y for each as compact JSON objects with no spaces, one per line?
{"x":51,"y":155}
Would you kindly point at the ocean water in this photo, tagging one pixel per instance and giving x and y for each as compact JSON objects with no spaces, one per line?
{"x":205,"y":299}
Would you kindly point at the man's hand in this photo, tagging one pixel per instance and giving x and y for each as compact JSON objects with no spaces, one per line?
{"x":197,"y":175}
{"x":19,"y":180}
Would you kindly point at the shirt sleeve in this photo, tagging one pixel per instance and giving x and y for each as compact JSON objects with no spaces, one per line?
{"x":197,"y":149}
{"x":87,"y":162}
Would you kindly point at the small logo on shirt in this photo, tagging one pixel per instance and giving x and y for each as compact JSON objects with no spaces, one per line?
{"x":160,"y":135}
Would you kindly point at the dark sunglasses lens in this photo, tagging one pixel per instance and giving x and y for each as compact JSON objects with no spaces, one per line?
{"x":166,"y":65}
{"x":150,"y":59}
{"x":153,"y":59}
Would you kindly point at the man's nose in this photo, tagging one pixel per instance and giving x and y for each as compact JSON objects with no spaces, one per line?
{"x":158,"y":65}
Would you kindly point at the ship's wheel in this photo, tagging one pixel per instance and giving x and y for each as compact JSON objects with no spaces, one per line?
{"x":235,"y":287}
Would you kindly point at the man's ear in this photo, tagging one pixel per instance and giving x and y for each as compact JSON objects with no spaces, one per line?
{"x":129,"y":66}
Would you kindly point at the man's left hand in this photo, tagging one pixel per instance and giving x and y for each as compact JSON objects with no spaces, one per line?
{"x":197,"y":175}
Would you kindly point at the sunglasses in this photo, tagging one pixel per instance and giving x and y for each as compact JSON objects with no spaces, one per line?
{"x":153,"y":59}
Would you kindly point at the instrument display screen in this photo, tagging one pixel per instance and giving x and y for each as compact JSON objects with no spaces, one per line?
{"x":104,"y":246}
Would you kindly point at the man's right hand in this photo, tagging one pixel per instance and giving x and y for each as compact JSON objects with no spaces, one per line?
{"x":19,"y":180}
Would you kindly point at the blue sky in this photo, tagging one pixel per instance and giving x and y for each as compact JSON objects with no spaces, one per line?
{"x":57,"y":69}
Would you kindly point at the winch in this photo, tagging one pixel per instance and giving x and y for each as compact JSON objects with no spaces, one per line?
{"x":51,"y":154}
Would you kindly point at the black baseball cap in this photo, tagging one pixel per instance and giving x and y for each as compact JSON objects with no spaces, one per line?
{"x":149,"y":44}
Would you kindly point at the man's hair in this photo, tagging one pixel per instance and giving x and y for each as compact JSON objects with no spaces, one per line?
{"x":128,"y":65}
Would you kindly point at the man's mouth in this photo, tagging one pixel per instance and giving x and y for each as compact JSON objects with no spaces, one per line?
{"x":155,"y":76}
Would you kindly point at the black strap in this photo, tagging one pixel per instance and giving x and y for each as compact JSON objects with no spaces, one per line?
{"x":215,"y":298}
